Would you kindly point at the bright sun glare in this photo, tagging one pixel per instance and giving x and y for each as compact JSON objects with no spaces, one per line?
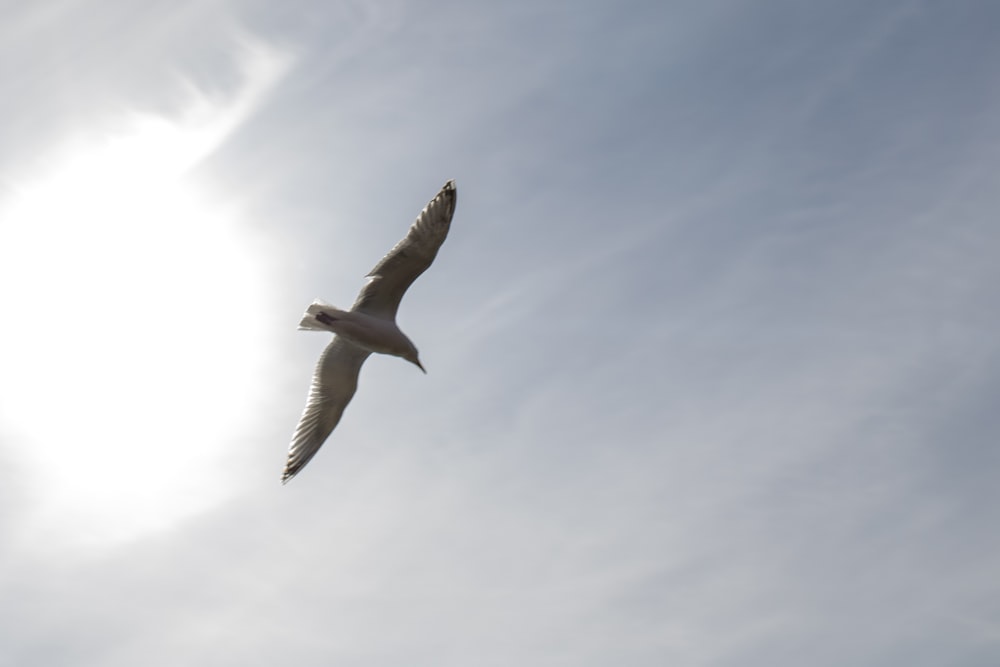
{"x":134,"y":332}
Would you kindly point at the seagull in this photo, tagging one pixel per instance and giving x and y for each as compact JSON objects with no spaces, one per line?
{"x":369,"y":326}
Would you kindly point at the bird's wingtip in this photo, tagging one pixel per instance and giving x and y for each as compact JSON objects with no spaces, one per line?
{"x":288,"y":473}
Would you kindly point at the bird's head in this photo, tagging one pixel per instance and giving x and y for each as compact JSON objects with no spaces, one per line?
{"x":411,"y":356}
{"x":408,"y":351}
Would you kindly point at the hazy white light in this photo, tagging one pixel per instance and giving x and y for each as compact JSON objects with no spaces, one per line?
{"x":134,"y":313}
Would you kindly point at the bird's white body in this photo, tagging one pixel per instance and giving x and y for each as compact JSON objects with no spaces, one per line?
{"x":369,"y":326}
{"x":375,"y":334}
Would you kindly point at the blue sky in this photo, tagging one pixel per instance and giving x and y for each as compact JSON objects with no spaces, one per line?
{"x":712,"y":346}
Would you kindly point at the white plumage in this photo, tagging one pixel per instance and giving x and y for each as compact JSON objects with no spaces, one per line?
{"x":369,"y":326}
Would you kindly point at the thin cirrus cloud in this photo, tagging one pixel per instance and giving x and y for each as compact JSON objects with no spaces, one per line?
{"x":110,"y":259}
{"x":710,"y":347}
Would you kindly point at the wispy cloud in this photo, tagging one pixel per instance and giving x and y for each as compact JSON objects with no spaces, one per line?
{"x":121,"y":279}
{"x":711,"y":345}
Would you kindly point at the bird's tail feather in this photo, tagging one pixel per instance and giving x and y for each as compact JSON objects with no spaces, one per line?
{"x":310,"y":322}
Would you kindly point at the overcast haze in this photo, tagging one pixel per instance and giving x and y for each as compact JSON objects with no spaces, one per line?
{"x":712,"y":352}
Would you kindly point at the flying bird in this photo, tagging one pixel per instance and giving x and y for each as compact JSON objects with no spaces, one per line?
{"x":369,"y":326}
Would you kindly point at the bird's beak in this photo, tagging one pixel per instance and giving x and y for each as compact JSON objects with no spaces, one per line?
{"x":420,"y":365}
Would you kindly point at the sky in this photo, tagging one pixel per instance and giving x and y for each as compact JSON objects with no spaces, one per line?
{"x":713,"y":371}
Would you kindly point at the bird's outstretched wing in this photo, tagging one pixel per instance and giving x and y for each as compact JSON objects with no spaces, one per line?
{"x":333,"y":386}
{"x":389,"y":280}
